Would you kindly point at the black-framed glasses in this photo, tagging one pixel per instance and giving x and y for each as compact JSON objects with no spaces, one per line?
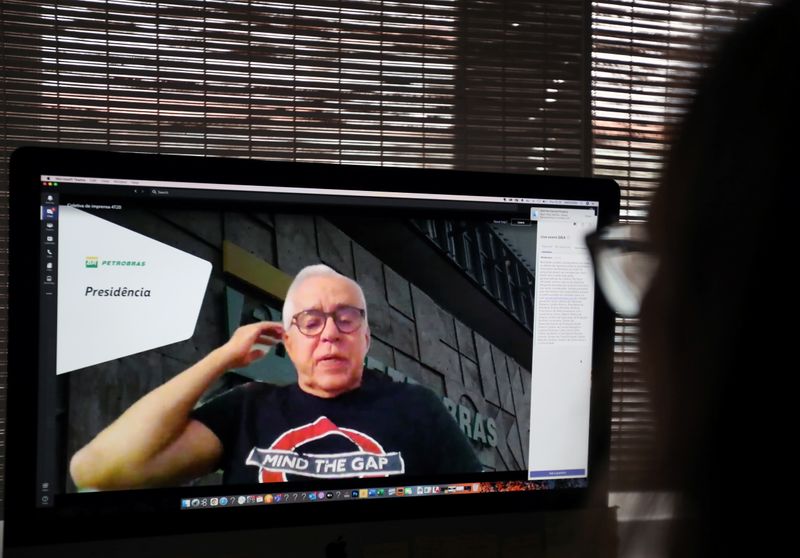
{"x":311,"y":322}
{"x":625,"y":263}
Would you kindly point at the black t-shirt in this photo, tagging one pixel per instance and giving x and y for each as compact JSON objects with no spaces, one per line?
{"x":273,"y":434}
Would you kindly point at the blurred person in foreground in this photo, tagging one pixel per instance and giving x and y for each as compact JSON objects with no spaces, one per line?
{"x":717,"y":315}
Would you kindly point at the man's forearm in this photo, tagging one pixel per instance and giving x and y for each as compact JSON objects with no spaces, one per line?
{"x":124,"y":448}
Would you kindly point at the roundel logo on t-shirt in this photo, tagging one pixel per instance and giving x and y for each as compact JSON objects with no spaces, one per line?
{"x":285,"y":456}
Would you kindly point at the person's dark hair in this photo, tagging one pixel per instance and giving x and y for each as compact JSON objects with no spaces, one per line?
{"x":715,"y":336}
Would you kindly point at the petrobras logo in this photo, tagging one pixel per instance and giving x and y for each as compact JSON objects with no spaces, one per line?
{"x":93,"y":262}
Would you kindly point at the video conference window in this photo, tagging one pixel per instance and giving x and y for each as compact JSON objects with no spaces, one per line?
{"x":413,"y":385}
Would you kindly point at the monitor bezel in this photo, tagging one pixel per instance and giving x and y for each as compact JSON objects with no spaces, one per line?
{"x":126,"y":520}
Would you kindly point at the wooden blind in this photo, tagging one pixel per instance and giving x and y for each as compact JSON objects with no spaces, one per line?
{"x":522,"y":84}
{"x":646,"y":56}
{"x":359,"y":82}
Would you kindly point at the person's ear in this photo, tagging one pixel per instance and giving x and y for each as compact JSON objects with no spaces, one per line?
{"x":369,"y":338}
{"x":287,"y":344}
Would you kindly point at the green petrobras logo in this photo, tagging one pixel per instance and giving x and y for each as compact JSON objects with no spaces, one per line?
{"x":93,"y":262}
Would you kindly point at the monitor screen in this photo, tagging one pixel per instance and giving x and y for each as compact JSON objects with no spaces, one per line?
{"x":222,"y":340}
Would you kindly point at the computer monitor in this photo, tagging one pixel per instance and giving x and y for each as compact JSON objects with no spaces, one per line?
{"x":472,"y":376}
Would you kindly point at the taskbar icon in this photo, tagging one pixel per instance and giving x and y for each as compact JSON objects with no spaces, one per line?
{"x":282,"y":498}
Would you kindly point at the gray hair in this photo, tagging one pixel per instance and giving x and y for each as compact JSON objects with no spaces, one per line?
{"x":308,"y":272}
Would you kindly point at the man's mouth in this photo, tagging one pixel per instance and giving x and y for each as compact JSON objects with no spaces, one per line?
{"x":331,"y":358}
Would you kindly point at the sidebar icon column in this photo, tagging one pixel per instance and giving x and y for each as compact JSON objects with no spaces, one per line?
{"x":48,"y":313}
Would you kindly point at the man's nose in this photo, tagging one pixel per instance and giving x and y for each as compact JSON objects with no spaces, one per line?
{"x":330,"y":331}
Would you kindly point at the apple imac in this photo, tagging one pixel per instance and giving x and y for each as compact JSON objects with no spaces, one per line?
{"x":472,"y":378}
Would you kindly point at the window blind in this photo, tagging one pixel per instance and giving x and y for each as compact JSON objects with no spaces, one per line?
{"x":522,"y":84}
{"x":359,"y":82}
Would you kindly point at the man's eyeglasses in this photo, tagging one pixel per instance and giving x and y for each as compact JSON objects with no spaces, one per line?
{"x":311,"y":322}
{"x":625,"y":264}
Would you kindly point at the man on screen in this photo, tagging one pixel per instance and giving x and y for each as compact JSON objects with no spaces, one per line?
{"x":334,"y":423}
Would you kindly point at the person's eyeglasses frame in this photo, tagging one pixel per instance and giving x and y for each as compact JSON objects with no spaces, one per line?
{"x":600,"y":246}
{"x":326,"y":316}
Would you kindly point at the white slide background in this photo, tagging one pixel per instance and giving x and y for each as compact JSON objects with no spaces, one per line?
{"x":95,"y":329}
